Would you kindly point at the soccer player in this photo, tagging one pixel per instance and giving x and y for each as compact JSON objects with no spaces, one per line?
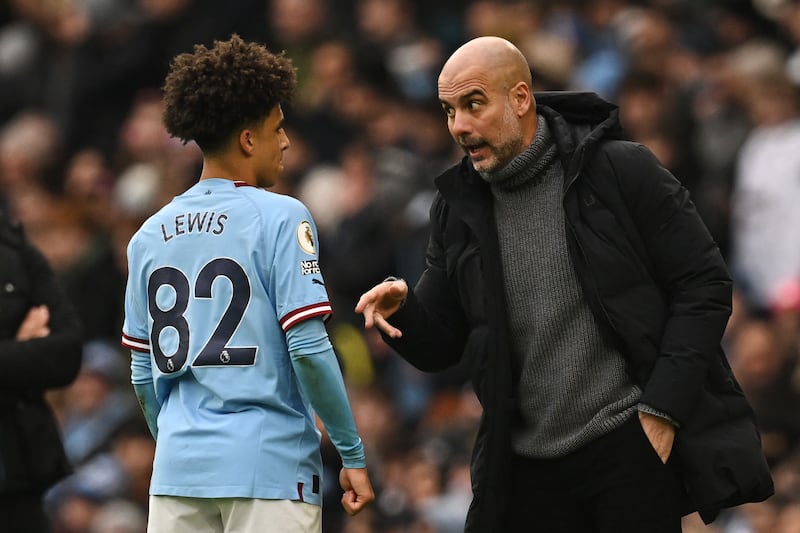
{"x":224,"y":311}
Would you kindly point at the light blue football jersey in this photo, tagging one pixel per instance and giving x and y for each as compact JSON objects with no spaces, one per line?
{"x":216,"y":278}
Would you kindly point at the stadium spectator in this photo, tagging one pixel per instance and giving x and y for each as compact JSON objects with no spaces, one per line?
{"x":766,"y":367}
{"x":95,"y":406}
{"x":119,"y":472}
{"x":766,"y":190}
{"x":390,"y":37}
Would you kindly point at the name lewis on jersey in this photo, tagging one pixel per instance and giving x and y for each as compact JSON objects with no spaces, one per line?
{"x":185,"y":223}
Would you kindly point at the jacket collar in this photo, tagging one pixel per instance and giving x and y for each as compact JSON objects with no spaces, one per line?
{"x":579,"y":121}
{"x":469,"y":196}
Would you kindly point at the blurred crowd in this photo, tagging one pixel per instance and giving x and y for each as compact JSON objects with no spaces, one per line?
{"x":710,"y":86}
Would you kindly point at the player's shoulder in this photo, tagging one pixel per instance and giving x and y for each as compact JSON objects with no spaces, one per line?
{"x":278,"y":204}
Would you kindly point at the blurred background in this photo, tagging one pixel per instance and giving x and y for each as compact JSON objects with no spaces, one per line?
{"x":711,"y":86}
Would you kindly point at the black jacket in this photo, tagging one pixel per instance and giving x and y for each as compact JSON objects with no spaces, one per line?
{"x":651,"y":274}
{"x":31,"y":453}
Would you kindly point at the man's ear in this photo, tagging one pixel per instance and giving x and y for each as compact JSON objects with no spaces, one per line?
{"x":522,"y":98}
{"x":246,"y":141}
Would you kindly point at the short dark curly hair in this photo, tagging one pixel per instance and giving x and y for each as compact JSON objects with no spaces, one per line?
{"x":211,"y":93}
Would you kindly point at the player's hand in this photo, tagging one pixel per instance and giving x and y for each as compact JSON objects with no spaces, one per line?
{"x":35,"y":324}
{"x":660,"y":433}
{"x":357,"y":489}
{"x":381,"y":302}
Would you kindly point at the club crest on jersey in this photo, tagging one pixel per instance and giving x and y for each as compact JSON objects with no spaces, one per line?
{"x":309,"y":267}
{"x":305,"y":238}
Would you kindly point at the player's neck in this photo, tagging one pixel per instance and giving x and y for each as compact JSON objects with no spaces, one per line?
{"x":221,"y":169}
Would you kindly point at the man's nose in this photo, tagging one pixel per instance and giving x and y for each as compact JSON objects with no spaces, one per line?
{"x":460,"y":125}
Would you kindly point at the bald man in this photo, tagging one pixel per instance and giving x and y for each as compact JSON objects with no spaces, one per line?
{"x":570,"y":272}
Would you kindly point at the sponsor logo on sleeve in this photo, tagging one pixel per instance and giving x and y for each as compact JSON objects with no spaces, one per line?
{"x":309,"y":267}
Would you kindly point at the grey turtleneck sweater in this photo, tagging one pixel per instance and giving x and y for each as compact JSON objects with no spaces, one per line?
{"x":573,"y":386}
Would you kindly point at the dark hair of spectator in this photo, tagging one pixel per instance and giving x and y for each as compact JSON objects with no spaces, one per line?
{"x":212,"y":92}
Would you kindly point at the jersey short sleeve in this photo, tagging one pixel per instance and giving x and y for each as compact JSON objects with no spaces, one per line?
{"x":135,"y":331}
{"x":297,"y":283}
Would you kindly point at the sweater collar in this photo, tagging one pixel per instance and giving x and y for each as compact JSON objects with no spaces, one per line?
{"x":531,"y":165}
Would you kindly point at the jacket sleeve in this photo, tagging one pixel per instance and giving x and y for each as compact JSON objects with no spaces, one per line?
{"x":690,"y":271}
{"x":432,"y":321}
{"x":48,"y":362}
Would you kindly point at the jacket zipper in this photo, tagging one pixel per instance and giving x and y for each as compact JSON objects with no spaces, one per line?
{"x":588,"y":274}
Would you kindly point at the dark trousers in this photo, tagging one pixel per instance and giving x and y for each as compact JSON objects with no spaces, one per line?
{"x":615,"y":484}
{"x":23,"y":513}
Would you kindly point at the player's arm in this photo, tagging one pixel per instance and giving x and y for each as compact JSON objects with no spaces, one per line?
{"x":142,"y":380}
{"x":321,"y":381}
{"x":136,"y":339}
{"x":301,"y":301}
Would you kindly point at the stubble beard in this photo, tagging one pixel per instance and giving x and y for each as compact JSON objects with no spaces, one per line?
{"x":507,"y":148}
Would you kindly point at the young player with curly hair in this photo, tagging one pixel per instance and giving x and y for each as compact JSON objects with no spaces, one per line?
{"x":224,"y":316}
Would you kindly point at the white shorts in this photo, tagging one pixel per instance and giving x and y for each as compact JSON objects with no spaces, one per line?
{"x":175,"y":514}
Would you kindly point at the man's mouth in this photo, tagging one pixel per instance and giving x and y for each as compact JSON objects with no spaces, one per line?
{"x":473,"y":149}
